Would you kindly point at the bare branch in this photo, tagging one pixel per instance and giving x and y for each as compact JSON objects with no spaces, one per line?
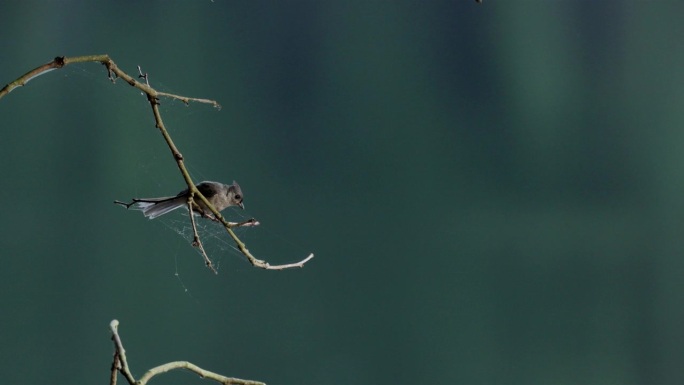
{"x":113,"y":73}
{"x":120,"y":364}
{"x":187,"y":100}
{"x":289,"y":265}
{"x":58,"y":62}
{"x":248,"y":223}
{"x":195,"y":369}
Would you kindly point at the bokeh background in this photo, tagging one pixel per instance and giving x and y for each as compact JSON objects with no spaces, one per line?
{"x":494,"y":192}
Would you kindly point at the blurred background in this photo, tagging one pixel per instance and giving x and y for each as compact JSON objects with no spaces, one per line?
{"x":494,"y":192}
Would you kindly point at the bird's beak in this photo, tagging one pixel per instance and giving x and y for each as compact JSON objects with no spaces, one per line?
{"x":242,"y":205}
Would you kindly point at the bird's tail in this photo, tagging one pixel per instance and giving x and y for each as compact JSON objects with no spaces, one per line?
{"x":154,"y":207}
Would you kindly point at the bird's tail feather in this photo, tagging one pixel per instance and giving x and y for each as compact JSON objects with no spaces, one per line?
{"x":152,"y":208}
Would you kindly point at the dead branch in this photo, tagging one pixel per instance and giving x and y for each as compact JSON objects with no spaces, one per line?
{"x":120,"y":365}
{"x":113,"y":73}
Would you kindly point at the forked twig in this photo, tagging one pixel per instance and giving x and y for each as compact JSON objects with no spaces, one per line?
{"x":196,"y":240}
{"x":113,"y":73}
{"x":120,"y":362}
{"x":120,"y":365}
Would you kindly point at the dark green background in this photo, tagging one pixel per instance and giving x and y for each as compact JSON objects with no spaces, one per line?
{"x":494,"y":192}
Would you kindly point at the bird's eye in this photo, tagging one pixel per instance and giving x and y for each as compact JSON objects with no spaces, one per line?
{"x":238,"y":197}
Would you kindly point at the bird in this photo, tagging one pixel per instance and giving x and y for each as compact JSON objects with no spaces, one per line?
{"x":220,"y":195}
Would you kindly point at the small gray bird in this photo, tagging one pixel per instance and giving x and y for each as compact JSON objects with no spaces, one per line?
{"x":219,"y":195}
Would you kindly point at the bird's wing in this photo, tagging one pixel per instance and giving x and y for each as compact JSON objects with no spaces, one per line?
{"x":207,"y":189}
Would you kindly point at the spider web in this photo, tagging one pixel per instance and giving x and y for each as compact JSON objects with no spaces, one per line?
{"x":215,"y":239}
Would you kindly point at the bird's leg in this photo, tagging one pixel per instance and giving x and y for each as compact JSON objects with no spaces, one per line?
{"x":202,"y":213}
{"x":126,"y":205}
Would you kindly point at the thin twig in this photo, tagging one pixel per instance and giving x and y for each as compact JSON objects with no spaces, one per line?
{"x":143,"y":76}
{"x":115,"y":370}
{"x":113,"y":73}
{"x":196,"y":241}
{"x":187,"y":100}
{"x":243,"y":248}
{"x":195,"y":369}
{"x":120,"y":353}
{"x":248,"y":223}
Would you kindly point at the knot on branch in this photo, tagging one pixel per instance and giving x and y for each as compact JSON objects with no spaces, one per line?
{"x":153,"y":100}
{"x":59,"y":61}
